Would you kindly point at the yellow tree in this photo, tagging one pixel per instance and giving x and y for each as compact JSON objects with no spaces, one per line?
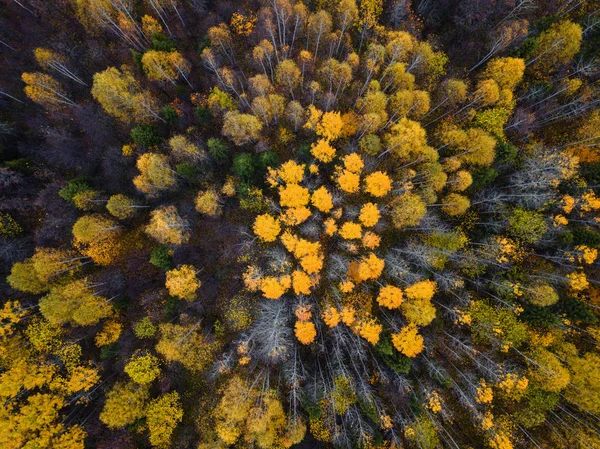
{"x":507,"y":72}
{"x":50,"y":60}
{"x":557,"y":46}
{"x":167,"y":226}
{"x":185,"y":344}
{"x":124,"y":405}
{"x":183,"y":149}
{"x":287,"y":75}
{"x":182,"y":282}
{"x":155,"y":174}
{"x":408,"y":341}
{"x":165,"y":66}
{"x":45,"y":90}
{"x":162,"y":416}
{"x":407,"y":140}
{"x":121,"y":206}
{"x":75,"y":303}
{"x":120,"y":96}
{"x":241,"y":128}
{"x":407,"y":210}
{"x":208,"y":202}
{"x":97,"y":237}
{"x":142,"y":368}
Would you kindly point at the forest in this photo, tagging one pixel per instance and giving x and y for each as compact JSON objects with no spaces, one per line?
{"x":303,"y":224}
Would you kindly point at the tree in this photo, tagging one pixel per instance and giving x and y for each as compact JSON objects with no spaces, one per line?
{"x":75,"y":303}
{"x":165,"y":66}
{"x":155,"y":174}
{"x":407,"y":140}
{"x":528,"y":226}
{"x":209,"y":203}
{"x":125,"y":404}
{"x":323,"y":151}
{"x":305,"y":332}
{"x":548,"y":373}
{"x":167,"y":227}
{"x":584,"y":389}
{"x":407,"y":210}
{"x":45,"y":90}
{"x":241,"y":128}
{"x":507,"y":72}
{"x":318,"y":29}
{"x":269,"y":108}
{"x":120,"y":96}
{"x":542,"y":295}
{"x":556,"y":46}
{"x":390,"y":297}
{"x":142,"y":368}
{"x":218,"y":149}
{"x":473,"y":146}
{"x":51,"y":60}
{"x":89,"y":229}
{"x":184,"y":344}
{"x":145,"y":135}
{"x":112,"y":16}
{"x":378,"y":184}
{"x":97,"y":237}
{"x":266,"y":227}
{"x":408,"y":341}
{"x":253,"y":416}
{"x":423,"y":434}
{"x":121,"y":206}
{"x":287,"y":75}
{"x":163,"y":415}
{"x":330,"y":126}
{"x":183,"y":149}
{"x":455,"y":204}
{"x":182,"y":282}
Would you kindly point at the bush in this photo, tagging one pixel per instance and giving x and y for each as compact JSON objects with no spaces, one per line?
{"x":577,"y":311}
{"x":203,"y":115}
{"x":483,"y":177}
{"x":160,"y":42}
{"x":243,"y":166}
{"x":8,"y":226}
{"x":110,"y":351}
{"x":21,"y":165}
{"x":170,"y":115}
{"x":137,"y":59}
{"x":392,"y":358}
{"x":539,"y":317}
{"x":587,"y":237}
{"x":161,"y":258}
{"x":145,"y":135}
{"x":506,"y":152}
{"x":218,"y":149}
{"x":73,"y":187}
{"x":188,"y":171}
{"x":204,"y":43}
{"x":144,"y":328}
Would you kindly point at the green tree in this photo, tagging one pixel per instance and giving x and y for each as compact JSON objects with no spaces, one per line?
{"x":528,"y":226}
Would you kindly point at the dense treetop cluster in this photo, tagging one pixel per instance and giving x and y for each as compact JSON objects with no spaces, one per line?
{"x":284,"y":223}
